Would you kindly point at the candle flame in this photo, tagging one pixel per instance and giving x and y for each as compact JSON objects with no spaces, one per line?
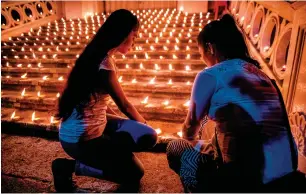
{"x":158,"y":131}
{"x":145,"y":101}
{"x":127,"y":66}
{"x":13,"y":115}
{"x":51,"y":119}
{"x":23,"y":92}
{"x":141,"y":66}
{"x":38,"y":93}
{"x":120,"y":79}
{"x":134,"y":81}
{"x":152,"y":81}
{"x":266,"y":48}
{"x":24,"y":76}
{"x":45,"y":77}
{"x":187,"y":103}
{"x":33,"y":116}
{"x":170,"y":82}
{"x":187,"y":68}
{"x":170,"y":67}
{"x":61,"y":78}
{"x":58,"y":95}
{"x":180,"y":133}
{"x":174,"y":56}
{"x":156,"y":67}
{"x":188,"y":56}
{"x":188,"y":83}
{"x":248,"y":26}
{"x":166,"y":103}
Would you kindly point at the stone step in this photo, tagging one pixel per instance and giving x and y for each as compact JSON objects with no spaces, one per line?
{"x":144,"y":75}
{"x":43,"y":119}
{"x":55,"y":85}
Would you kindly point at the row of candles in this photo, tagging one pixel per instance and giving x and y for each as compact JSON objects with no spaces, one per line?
{"x":53,"y":121}
{"x":54,"y":56}
{"x":144,"y":101}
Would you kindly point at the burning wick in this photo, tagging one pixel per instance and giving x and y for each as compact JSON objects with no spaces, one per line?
{"x":13,"y":117}
{"x":57,"y":95}
{"x":134,"y":81}
{"x":24,"y":76}
{"x":256,"y":35}
{"x":52,"y":121}
{"x":38,"y":94}
{"x":141,"y":66}
{"x":45,"y":77}
{"x":180,"y":133}
{"x":145,"y":101}
{"x":127,"y":66}
{"x":120,"y":79}
{"x":188,"y":83}
{"x":170,"y":82}
{"x":158,"y":131}
{"x":33,"y":117}
{"x":186,"y":104}
{"x":187,"y":68}
{"x":170,"y":67}
{"x":157,"y":67}
{"x":61,"y":78}
{"x":23,"y":92}
{"x":284,"y":68}
{"x":152,"y":81}
{"x":248,"y":26}
{"x":166,"y":103}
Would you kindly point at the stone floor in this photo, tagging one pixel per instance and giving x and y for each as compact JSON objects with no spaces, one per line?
{"x":25,"y":168}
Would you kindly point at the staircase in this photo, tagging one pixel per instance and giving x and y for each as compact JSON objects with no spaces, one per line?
{"x":156,"y":75}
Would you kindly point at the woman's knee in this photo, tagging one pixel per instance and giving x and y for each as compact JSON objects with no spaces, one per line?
{"x":148,"y":139}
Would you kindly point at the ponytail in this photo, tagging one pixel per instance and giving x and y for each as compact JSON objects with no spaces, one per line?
{"x":227,"y":38}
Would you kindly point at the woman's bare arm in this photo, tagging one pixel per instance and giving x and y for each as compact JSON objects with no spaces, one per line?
{"x":110,"y":82}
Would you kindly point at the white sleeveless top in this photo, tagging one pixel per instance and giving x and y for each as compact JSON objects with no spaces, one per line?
{"x":90,"y":121}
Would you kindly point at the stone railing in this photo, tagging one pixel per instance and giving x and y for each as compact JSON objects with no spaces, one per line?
{"x":17,"y":16}
{"x":275,"y":33}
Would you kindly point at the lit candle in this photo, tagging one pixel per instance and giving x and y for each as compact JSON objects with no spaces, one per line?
{"x":58,"y":95}
{"x":188,"y":83}
{"x":152,"y":81}
{"x":180,"y":133}
{"x":147,"y":56}
{"x":127,"y":66}
{"x":45,"y":77}
{"x":187,"y":68}
{"x":19,"y":65}
{"x":284,"y":68}
{"x":187,"y":48}
{"x":34,"y":119}
{"x":14,"y":117}
{"x":242,"y":19}
{"x":120,"y":79}
{"x":188,"y":56}
{"x":158,"y":131}
{"x":24,"y":76}
{"x":170,"y":67}
{"x":165,"y":48}
{"x":186,"y":104}
{"x":134,"y":81}
{"x":141,"y":66}
{"x":152,"y":48}
{"x":23,"y":92}
{"x":135,"y":56}
{"x":174,"y":56}
{"x":256,"y":35}
{"x":145,"y":101}
{"x":39,"y":65}
{"x":61,"y":78}
{"x":123,"y":56}
{"x":54,"y":56}
{"x":166,"y":103}
{"x":170,"y":82}
{"x":248,"y":26}
{"x":156,"y":67}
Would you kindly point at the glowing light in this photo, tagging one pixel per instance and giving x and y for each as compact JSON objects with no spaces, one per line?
{"x":180,"y":133}
{"x":174,"y":56}
{"x":134,"y":81}
{"x":127,"y":66}
{"x":152,"y":81}
{"x":166,"y":103}
{"x":24,"y":76}
{"x":145,"y":101}
{"x":23,"y":92}
{"x":186,"y":104}
{"x":61,"y":78}
{"x":33,"y":117}
{"x":248,"y":26}
{"x":45,"y":77}
{"x":256,"y":35}
{"x":284,"y":68}
{"x":158,"y":131}
{"x":147,"y":56}
{"x":141,"y":66}
{"x":156,"y":67}
{"x":170,"y":82}
{"x":13,"y":116}
{"x":242,"y":19}
{"x":120,"y":79}
{"x":188,"y":56}
{"x":187,"y":68}
{"x":188,"y":83}
{"x":58,"y":95}
{"x":38,"y":94}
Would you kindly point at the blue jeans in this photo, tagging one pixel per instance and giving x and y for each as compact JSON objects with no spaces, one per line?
{"x":110,"y":156}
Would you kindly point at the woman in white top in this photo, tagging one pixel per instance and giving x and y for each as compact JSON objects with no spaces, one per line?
{"x":252,"y":144}
{"x":91,"y":133}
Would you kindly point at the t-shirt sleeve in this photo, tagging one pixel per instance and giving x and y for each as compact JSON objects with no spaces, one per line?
{"x":107,"y":64}
{"x":202,"y":91}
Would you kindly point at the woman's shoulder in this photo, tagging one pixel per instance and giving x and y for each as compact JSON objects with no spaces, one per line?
{"x":107,"y":63}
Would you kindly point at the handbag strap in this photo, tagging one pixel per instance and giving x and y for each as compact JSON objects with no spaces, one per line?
{"x":294,"y":157}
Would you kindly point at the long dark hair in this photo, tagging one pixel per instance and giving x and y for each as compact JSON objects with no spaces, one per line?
{"x":227,"y":38}
{"x":82,"y":80}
